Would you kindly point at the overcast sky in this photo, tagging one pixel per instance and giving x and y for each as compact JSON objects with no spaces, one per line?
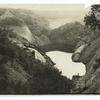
{"x":57,"y":14}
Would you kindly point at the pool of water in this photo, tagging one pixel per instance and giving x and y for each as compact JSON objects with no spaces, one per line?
{"x":64,"y":63}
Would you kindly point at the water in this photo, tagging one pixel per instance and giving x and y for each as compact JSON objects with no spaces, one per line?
{"x":64,"y":63}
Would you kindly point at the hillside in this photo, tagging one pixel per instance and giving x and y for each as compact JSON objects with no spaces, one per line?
{"x":26,"y":69}
{"x":35,"y":26}
{"x":67,"y":36}
{"x":24,"y":66}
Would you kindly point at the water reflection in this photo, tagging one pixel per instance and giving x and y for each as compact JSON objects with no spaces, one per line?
{"x":64,"y":63}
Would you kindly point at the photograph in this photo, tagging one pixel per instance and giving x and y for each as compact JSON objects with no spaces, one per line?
{"x":49,"y":49}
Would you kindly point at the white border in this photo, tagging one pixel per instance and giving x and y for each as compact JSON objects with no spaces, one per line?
{"x":50,"y":97}
{"x":86,"y":2}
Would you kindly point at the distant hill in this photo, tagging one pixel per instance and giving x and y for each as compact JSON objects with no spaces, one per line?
{"x":67,"y":35}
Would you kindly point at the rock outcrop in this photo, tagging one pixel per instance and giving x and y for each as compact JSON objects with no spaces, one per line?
{"x":90,"y":56}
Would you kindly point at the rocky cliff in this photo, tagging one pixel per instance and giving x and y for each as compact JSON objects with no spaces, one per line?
{"x":90,"y":56}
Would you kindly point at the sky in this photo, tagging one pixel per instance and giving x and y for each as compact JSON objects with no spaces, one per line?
{"x":56,"y":14}
{"x":60,"y":14}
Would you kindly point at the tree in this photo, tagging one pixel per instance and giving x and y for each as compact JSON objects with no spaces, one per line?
{"x":91,"y":18}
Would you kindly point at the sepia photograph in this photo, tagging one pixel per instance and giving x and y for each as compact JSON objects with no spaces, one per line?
{"x":49,"y":49}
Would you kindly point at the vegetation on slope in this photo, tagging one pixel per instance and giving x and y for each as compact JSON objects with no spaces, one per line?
{"x":38,"y":26}
{"x":67,"y":34}
{"x":21,"y":73}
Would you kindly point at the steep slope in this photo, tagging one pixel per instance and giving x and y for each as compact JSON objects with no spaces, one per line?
{"x":35,"y":27}
{"x":16,"y":24}
{"x":38,"y":26}
{"x":24,"y":68}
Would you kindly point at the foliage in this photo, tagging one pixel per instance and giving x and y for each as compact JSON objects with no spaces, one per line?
{"x":90,"y":19}
{"x":37,"y":25}
{"x":23,"y":74}
{"x":48,"y":80}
